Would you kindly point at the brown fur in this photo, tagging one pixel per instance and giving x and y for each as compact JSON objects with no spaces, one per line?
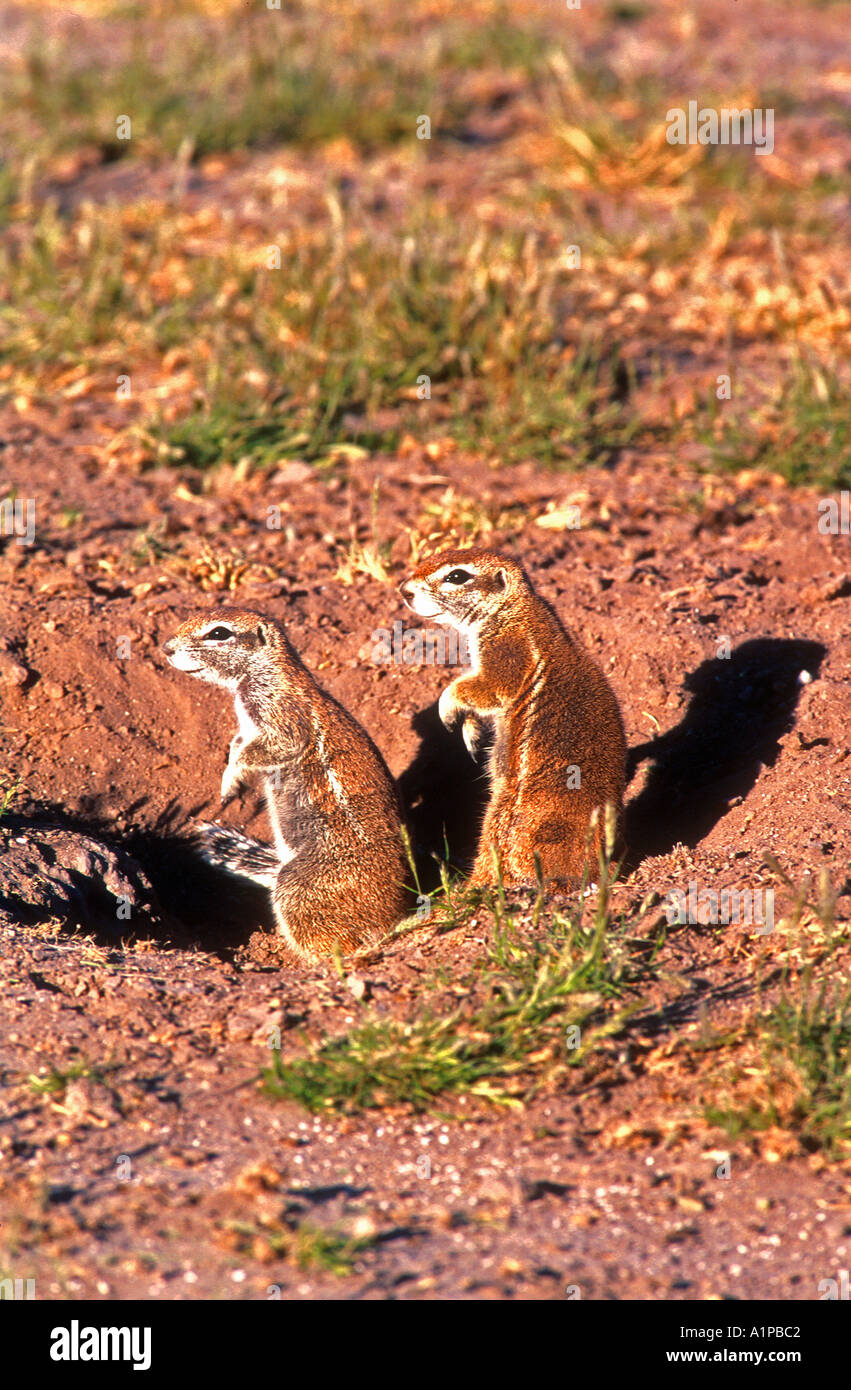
{"x":338,"y":870}
{"x":548,"y":705}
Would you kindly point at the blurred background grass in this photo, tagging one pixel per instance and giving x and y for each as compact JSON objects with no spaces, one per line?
{"x":283,"y":269}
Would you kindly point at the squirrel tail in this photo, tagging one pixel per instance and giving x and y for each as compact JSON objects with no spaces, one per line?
{"x":237,"y":853}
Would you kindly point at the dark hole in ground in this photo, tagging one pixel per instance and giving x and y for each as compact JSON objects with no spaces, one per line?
{"x":198,"y":905}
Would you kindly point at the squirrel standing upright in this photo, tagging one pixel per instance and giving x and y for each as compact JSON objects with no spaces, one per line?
{"x":338,"y":870}
{"x":559,"y":750}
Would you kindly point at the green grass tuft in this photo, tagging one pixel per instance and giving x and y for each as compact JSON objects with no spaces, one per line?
{"x":8,"y":791}
{"x":56,"y":1081}
{"x":199,"y":85}
{"x":541,"y":1002}
{"x":805,"y":1040}
{"x":312,"y":1248}
{"x":803,"y":432}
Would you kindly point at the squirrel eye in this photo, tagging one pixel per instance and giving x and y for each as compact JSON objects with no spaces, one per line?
{"x":218,"y":634}
{"x":457,"y":577}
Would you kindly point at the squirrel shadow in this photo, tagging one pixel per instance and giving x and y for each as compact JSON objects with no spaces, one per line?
{"x":200,"y":903}
{"x":444,"y":794}
{"x":739,"y":710}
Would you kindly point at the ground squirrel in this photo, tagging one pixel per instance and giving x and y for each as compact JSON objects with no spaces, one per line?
{"x":338,"y":869}
{"x":558,"y":748}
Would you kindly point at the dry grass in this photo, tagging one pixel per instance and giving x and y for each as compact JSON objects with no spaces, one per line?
{"x":437,"y":314}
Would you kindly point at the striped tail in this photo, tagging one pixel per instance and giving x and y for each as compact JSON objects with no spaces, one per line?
{"x":237,"y":853}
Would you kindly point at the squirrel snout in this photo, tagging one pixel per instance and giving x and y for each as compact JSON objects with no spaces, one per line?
{"x":168,"y":647}
{"x":406,"y":589}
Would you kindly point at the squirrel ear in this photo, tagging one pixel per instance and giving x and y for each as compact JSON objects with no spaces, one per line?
{"x":261,"y":634}
{"x":501,"y":579}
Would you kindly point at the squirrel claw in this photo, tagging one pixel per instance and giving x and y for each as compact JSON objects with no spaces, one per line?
{"x":230,"y":782}
{"x":471,"y":732}
{"x":448,"y":712}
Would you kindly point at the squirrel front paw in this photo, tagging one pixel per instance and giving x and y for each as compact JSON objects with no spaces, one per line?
{"x":448,"y":709}
{"x":472,"y":727}
{"x":231,"y":780}
{"x":471,"y":732}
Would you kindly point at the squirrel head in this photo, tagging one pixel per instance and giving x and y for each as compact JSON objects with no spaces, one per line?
{"x":223,"y":645}
{"x":465,"y":588}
